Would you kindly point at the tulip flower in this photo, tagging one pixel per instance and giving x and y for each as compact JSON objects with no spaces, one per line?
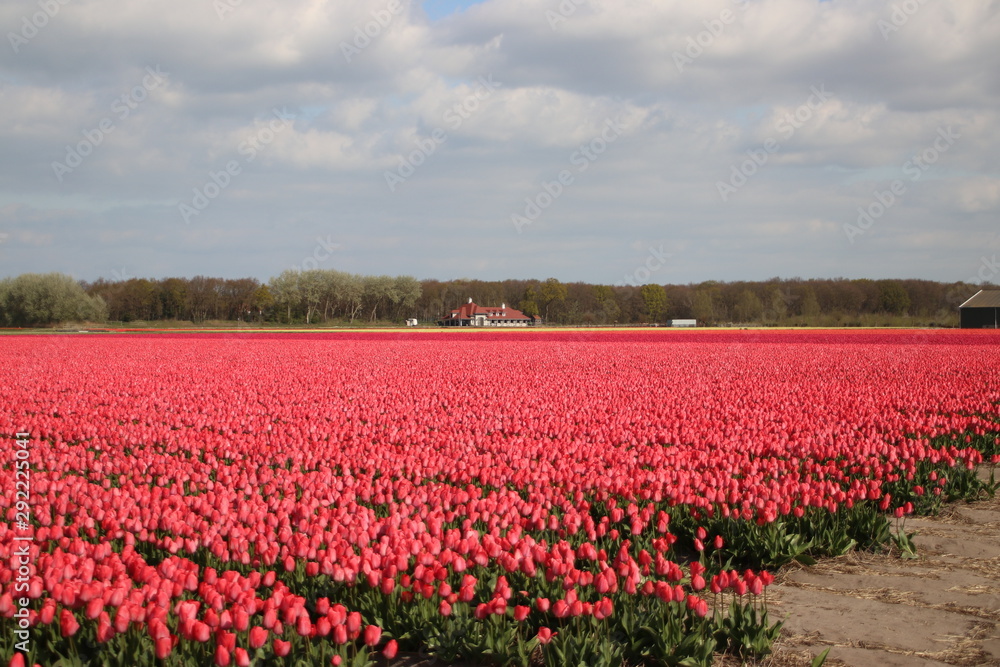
{"x":372,"y":634}
{"x":162,"y":646}
{"x":68,"y":624}
{"x":393,"y":480}
{"x":390,"y":649}
{"x":303,"y":625}
{"x":258,"y":637}
{"x":353,"y":623}
{"x":48,"y":612}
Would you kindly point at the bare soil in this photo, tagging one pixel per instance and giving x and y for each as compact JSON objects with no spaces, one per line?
{"x":942,"y":608}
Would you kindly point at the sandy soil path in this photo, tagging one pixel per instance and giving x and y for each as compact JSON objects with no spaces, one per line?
{"x":878,"y":610}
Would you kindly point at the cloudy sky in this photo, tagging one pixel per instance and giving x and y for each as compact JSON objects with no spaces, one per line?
{"x":582,"y":139}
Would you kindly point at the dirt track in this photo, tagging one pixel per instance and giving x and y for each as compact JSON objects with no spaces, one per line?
{"x":940,"y":609}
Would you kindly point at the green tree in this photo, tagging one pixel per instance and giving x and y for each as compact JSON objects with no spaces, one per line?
{"x":262,"y":300}
{"x":654,"y":299}
{"x":749,"y":307}
{"x":893,"y":297}
{"x":703,"y":306}
{"x":409,"y":291}
{"x":173,"y":297}
{"x":353,"y":294}
{"x":311,"y":284}
{"x":607,"y":305}
{"x":529,"y":308}
{"x":777,"y":306}
{"x":36,"y":299}
{"x":551,"y":292}
{"x":810,"y":304}
{"x":379,"y":291}
{"x":285,"y":291}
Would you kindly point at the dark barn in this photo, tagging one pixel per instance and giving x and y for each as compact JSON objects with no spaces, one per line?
{"x":982,"y":311}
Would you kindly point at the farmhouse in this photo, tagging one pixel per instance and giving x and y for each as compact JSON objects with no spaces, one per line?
{"x":982,"y":311}
{"x":471,"y":315}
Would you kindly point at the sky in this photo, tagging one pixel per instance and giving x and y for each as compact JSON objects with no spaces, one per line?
{"x":603,"y":141}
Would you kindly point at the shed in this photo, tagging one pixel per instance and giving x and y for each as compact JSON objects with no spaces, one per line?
{"x":683,"y":323}
{"x":982,"y":311}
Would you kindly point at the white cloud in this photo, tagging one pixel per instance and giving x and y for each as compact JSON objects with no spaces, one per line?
{"x":756,"y":63}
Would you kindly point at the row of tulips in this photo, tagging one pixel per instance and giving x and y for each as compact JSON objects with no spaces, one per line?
{"x":603,"y":500}
{"x":494,"y":630}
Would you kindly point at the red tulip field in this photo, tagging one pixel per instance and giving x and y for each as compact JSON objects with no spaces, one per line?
{"x":500,"y":498}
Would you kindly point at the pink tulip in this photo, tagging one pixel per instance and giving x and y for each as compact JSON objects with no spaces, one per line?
{"x":68,"y":624}
{"x":372,"y":635}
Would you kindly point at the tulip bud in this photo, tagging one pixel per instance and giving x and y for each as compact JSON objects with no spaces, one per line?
{"x":68,"y":625}
{"x":372,"y":634}
{"x":258,"y":637}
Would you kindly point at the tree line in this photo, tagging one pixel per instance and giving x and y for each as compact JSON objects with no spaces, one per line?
{"x":787,"y":302}
{"x":337,"y":297}
{"x":307,"y":297}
